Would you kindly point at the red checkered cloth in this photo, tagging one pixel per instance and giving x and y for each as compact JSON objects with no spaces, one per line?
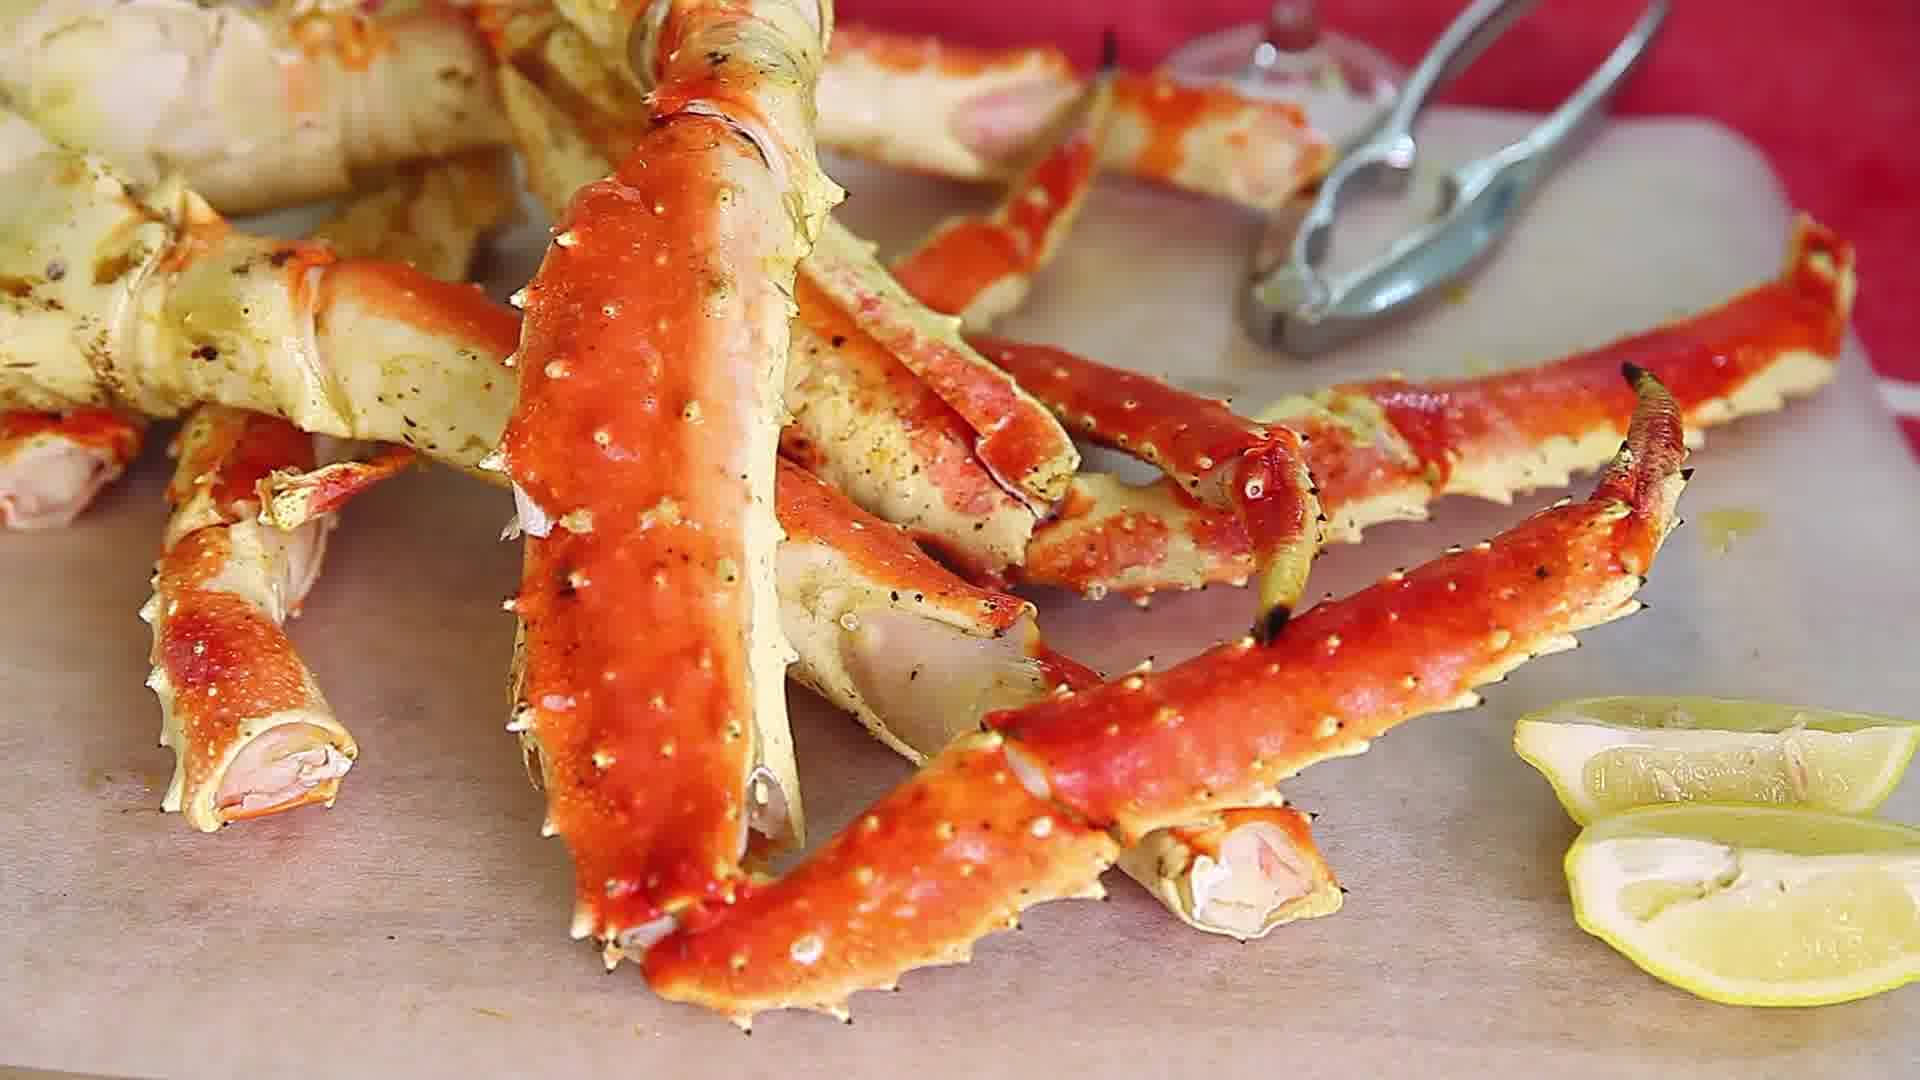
{"x":1827,"y":91}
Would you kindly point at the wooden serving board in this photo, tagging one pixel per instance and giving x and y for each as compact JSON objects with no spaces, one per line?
{"x":419,"y":927}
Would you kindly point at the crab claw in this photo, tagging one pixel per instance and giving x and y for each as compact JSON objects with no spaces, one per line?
{"x":1032,"y":810}
{"x":1218,"y":457}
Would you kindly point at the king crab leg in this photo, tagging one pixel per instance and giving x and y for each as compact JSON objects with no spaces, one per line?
{"x":976,"y":114}
{"x":255,"y":109}
{"x":1037,"y":807}
{"x":252,"y":733}
{"x":1260,"y":472}
{"x":642,"y":453}
{"x":1382,"y":450}
{"x":861,"y":417}
{"x":980,"y":268}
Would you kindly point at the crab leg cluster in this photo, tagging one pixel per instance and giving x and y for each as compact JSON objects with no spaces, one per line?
{"x":1383,"y":450}
{"x":735,"y":440}
{"x":251,"y":732}
{"x":1036,"y":808}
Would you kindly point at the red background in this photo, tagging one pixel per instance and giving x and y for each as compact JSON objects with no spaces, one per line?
{"x":1829,"y":91}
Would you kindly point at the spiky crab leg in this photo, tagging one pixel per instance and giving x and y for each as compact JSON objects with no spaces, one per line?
{"x":256,"y":109}
{"x":1032,"y":809}
{"x":250,"y":731}
{"x":977,"y":114}
{"x":980,"y":268}
{"x":1383,"y":450}
{"x":919,"y":656}
{"x":649,"y":672}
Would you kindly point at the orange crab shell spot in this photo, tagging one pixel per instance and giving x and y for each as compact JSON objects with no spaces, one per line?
{"x":951,"y":855}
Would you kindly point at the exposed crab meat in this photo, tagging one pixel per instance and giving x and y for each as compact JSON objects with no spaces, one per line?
{"x":250,"y":730}
{"x":1031,"y":810}
{"x":919,"y":656}
{"x":980,"y":268}
{"x":255,"y":108}
{"x":924,"y":104}
{"x":651,"y":362}
{"x":1382,"y":450}
{"x":1244,"y":873}
{"x":53,"y":464}
{"x":914,"y":652}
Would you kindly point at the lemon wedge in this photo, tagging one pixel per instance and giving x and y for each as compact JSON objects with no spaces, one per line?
{"x":1605,"y":755}
{"x":1754,"y":905}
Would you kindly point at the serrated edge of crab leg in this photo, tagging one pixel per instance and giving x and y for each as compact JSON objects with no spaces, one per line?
{"x":642,"y":453}
{"x":1019,"y":441}
{"x":990,"y":106}
{"x":1031,"y":809}
{"x":1218,"y":730}
{"x":236,"y":700}
{"x":981,"y":267}
{"x":1486,"y":436}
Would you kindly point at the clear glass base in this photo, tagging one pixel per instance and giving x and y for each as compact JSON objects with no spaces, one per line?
{"x":1343,"y":84}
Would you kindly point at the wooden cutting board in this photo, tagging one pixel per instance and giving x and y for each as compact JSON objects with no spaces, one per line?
{"x":419,"y":927}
